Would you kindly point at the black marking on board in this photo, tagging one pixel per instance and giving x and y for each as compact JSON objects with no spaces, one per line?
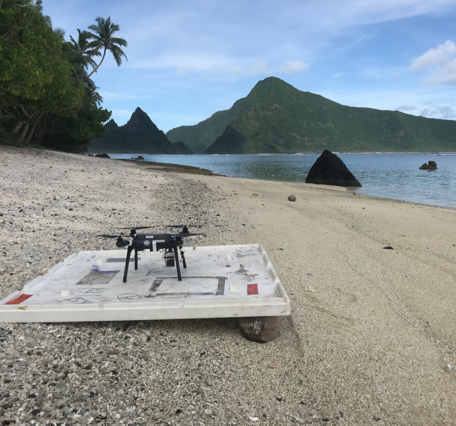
{"x":120,"y":259}
{"x":184,"y":278}
{"x":128,"y":297}
{"x":244,"y":272}
{"x":221,"y":286}
{"x":94,"y":291}
{"x":152,"y":292}
{"x":208,"y":293}
{"x":79,"y":300}
{"x":153,"y":288}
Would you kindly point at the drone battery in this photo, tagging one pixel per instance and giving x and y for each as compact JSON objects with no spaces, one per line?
{"x":169,"y":259}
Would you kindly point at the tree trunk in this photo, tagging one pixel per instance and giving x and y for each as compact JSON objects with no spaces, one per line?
{"x":24,"y":132}
{"x":30,"y":134}
{"x":102,"y":59}
{"x":18,"y":126}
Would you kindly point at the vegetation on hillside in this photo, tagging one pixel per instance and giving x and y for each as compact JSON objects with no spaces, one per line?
{"x":277,"y":118}
{"x":46,"y":95}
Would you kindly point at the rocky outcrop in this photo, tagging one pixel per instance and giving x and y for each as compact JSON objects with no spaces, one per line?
{"x":139,"y":135}
{"x":431,"y":165}
{"x":329,"y":169}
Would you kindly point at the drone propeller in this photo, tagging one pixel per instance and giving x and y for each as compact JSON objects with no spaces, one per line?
{"x":187,"y":234}
{"x":137,"y":227}
{"x":183,"y":226}
{"x":113,"y":236}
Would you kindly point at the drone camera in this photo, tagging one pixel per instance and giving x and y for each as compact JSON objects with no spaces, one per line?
{"x":169,"y":259}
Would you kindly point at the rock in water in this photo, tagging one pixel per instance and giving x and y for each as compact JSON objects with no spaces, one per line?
{"x":432,"y":165}
{"x":104,"y":155}
{"x":329,"y":169}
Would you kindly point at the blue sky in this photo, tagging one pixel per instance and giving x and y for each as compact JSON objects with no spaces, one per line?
{"x":190,"y":58}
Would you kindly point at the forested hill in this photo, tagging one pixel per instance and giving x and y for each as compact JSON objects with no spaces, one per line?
{"x":139,"y":136}
{"x":275,"y":117}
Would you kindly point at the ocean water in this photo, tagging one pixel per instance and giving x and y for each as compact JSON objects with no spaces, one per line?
{"x":395,"y":176}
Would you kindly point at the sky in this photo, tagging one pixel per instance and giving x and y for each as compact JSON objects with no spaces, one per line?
{"x":188,"y":59}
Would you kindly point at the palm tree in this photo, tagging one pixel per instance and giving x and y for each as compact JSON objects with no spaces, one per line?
{"x":84,"y":49}
{"x":103,"y":38}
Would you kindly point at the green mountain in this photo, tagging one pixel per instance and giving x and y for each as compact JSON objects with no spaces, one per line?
{"x":275,"y":117}
{"x":139,"y":136}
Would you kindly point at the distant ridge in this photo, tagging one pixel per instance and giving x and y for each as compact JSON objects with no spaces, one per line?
{"x":275,"y":117}
{"x":139,"y":136}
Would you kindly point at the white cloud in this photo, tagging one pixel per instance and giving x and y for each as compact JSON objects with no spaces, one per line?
{"x":441,"y":56}
{"x":439,"y":111}
{"x":442,"y":63}
{"x":294,"y":67}
{"x":338,"y":74}
{"x":427,"y":101}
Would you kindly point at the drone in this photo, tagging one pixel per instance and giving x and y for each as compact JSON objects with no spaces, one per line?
{"x":170,"y":243}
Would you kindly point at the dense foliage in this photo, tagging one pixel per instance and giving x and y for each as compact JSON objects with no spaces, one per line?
{"x":46,"y":95}
{"x":277,"y":118}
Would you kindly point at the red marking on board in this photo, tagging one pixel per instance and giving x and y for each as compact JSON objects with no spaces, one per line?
{"x":19,"y":299}
{"x":252,"y":289}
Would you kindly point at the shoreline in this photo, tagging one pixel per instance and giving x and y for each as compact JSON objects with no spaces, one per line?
{"x":169,"y":167}
{"x":177,"y":168}
{"x":368,"y":341}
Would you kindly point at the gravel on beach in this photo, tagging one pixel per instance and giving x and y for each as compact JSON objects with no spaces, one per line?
{"x":369,"y":340}
{"x":156,"y":372}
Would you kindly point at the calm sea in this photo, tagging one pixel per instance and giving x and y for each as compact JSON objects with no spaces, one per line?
{"x":394,"y":176}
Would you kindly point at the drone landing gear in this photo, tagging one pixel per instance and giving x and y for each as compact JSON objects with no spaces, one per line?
{"x":184,"y":263}
{"x":127,"y":262}
{"x":176,"y":257}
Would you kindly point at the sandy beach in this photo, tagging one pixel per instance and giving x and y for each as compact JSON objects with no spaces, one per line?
{"x":369,"y":340}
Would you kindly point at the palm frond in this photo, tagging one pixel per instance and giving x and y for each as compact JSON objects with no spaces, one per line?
{"x":119,"y":41}
{"x":102,"y":37}
{"x":60,"y":32}
{"x":117,"y":53}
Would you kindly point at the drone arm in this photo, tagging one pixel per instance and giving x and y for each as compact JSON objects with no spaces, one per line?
{"x":136,"y":259}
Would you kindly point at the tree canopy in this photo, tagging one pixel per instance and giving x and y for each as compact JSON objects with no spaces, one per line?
{"x":46,"y":95}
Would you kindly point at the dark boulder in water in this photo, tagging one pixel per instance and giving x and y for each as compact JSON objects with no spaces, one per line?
{"x":329,"y":169}
{"x":432,"y":165}
{"x":104,"y":155}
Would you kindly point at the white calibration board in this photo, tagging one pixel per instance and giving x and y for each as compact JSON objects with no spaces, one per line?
{"x":219,"y":281}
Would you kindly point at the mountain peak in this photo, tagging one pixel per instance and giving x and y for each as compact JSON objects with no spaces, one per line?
{"x":139,"y":135}
{"x":138,"y":110}
{"x":277,"y":117}
{"x":111,"y":123}
{"x":273,"y":82}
